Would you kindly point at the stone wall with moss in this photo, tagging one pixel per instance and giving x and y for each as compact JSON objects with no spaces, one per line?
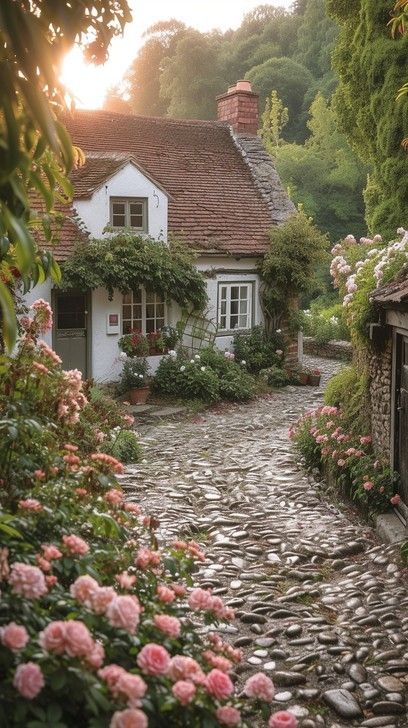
{"x":380,"y":370}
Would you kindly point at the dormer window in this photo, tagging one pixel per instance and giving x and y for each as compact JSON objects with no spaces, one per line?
{"x":129,"y":212}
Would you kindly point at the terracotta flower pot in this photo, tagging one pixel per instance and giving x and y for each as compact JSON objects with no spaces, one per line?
{"x":303,"y":378}
{"x":139,"y":395}
{"x":314,"y":379}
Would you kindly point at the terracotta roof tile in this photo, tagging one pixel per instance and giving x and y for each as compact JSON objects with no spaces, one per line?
{"x":215,"y":202}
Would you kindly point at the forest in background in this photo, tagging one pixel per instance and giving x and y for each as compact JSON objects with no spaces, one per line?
{"x":321,"y":60}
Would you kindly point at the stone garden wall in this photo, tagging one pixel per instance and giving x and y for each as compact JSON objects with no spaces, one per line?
{"x":380,"y":368}
{"x":332,"y":350}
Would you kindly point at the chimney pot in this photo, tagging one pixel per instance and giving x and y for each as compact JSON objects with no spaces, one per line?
{"x":244,"y":85}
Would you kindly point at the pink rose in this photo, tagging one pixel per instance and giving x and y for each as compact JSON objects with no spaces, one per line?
{"x":123,"y":612}
{"x":169,"y":625}
{"x":114,"y":497}
{"x":259,"y":686}
{"x":153,"y":659}
{"x":368,"y":485}
{"x":111,"y":674}
{"x":125,"y":580}
{"x":75,"y":544}
{"x":28,"y":680}
{"x":395,"y":499}
{"x":101,"y":598}
{"x":200,"y":600}
{"x":165,"y":594}
{"x":183,"y":668}
{"x":228,"y":715}
{"x":14,"y":636}
{"x":52,"y":638}
{"x":184,"y":691}
{"x":96,"y":657}
{"x":78,"y":639}
{"x":31,"y":504}
{"x":282,"y":719}
{"x":51,"y":552}
{"x":83,"y":588}
{"x":219,"y":684}
{"x":131,"y":686}
{"x":28,"y":581}
{"x":129,"y":719}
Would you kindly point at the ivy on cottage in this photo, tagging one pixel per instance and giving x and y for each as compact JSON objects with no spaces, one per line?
{"x":125,"y":262}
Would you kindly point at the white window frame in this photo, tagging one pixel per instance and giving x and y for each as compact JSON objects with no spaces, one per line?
{"x":249,"y":314}
{"x":127,"y":201}
{"x":144,"y":317}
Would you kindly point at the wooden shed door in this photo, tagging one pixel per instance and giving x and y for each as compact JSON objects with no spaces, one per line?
{"x":402,"y":420}
{"x":71,"y":334}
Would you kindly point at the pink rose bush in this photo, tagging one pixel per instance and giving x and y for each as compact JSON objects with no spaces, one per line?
{"x":324,"y":436}
{"x":94,"y":611}
{"x":283,"y":719}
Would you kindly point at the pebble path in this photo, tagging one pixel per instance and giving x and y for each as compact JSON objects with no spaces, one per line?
{"x":321,"y":604}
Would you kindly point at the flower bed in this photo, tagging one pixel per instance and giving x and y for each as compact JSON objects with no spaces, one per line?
{"x":323,"y":439}
{"x":94,"y":627}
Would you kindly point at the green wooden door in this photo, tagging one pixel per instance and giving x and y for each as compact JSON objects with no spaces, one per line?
{"x":71,"y":331}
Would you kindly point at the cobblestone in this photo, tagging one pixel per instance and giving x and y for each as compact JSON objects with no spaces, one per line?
{"x":321,"y":604}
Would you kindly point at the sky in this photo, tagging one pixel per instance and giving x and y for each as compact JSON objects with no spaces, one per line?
{"x":89,"y":84}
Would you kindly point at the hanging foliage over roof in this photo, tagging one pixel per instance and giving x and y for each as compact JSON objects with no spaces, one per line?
{"x":125,"y":262}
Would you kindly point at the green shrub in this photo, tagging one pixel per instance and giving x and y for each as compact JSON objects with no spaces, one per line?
{"x":236,"y":385}
{"x":188,"y":379}
{"x":275,"y":376}
{"x":167,"y":379}
{"x":258,"y":349}
{"x":123,"y":446}
{"x":134,"y":374}
{"x":348,"y":389}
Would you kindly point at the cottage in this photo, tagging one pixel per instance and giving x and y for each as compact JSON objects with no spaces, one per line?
{"x":389,"y":379}
{"x":209,"y":183}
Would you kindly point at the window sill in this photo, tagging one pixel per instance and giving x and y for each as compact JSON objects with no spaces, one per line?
{"x":231,"y":332}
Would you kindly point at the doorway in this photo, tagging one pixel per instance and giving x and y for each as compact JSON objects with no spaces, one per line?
{"x":71,"y":330}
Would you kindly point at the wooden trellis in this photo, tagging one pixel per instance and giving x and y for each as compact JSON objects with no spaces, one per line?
{"x":199,"y":331}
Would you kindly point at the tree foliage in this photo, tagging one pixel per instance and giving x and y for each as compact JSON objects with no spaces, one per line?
{"x":371,"y":64}
{"x":125,"y":262}
{"x":274,"y":120}
{"x":36,"y":152}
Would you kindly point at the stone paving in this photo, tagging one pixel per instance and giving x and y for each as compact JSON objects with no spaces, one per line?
{"x":321,"y":604}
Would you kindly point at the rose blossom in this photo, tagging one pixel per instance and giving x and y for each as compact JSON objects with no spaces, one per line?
{"x":184,"y":691}
{"x":219,"y":684}
{"x":96,"y":657}
{"x":28,"y":581}
{"x":83,"y":588}
{"x":30,"y":504}
{"x":368,"y":485}
{"x":14,"y":636}
{"x":75,"y":544}
{"x":132,"y":686}
{"x":227,"y":715}
{"x":153,"y":659}
{"x":282,"y":719}
{"x":123,"y":612}
{"x":51,"y":552}
{"x":200,"y":599}
{"x":165,"y":594}
{"x":395,"y":499}
{"x":130,"y":718}
{"x":101,"y":598}
{"x":111,"y":674}
{"x":78,"y":639}
{"x":28,"y":680}
{"x":169,"y":625}
{"x":125,"y":580}
{"x":183,"y":668}
{"x":259,"y":686}
{"x":114,"y":497}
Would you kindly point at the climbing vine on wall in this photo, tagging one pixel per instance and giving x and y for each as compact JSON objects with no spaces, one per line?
{"x":125,"y":261}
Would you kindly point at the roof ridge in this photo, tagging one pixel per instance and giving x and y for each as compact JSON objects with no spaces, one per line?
{"x":156,"y":119}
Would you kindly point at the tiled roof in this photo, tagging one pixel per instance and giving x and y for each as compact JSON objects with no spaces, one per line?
{"x":66,"y":227}
{"x":215,"y":202}
{"x":393,"y":293}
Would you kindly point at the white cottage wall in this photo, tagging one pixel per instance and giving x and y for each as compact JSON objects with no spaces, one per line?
{"x":128,"y":182}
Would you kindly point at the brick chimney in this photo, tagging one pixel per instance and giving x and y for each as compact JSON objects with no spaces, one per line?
{"x":239,"y":107}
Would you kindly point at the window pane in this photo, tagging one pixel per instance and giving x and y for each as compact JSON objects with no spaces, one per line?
{"x":223,"y":322}
{"x":71,"y":312}
{"x":223,"y":308}
{"x":127,"y":312}
{"x":136,"y":221}
{"x":150,"y":310}
{"x":159,"y":323}
{"x":233,"y":322}
{"x":118,"y":221}
{"x":137,"y":296}
{"x":234,"y":307}
{"x":234,"y":292}
{"x":223,"y":292}
{"x":150,"y":326}
{"x":136,"y":208}
{"x":244,"y":292}
{"x":150,"y":297}
{"x":137,"y":311}
{"x":118,"y":208}
{"x":243,"y":306}
{"x":160,"y":310}
{"x":127,"y":298}
{"x":243,"y":322}
{"x":126,"y":327}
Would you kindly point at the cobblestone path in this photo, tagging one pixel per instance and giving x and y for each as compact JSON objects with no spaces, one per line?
{"x":321,"y":604}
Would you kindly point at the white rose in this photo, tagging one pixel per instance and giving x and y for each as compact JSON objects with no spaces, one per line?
{"x":197,"y":356}
{"x":192,"y":361}
{"x":172,"y":353}
{"x":182,"y":369}
{"x":202,"y":369}
{"x":243,"y":363}
{"x":123,"y":356}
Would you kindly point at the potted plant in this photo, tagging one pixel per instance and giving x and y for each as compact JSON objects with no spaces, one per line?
{"x":134,"y":379}
{"x":134,"y":344}
{"x":304,"y":375}
{"x":169,"y":337}
{"x":314,"y":377}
